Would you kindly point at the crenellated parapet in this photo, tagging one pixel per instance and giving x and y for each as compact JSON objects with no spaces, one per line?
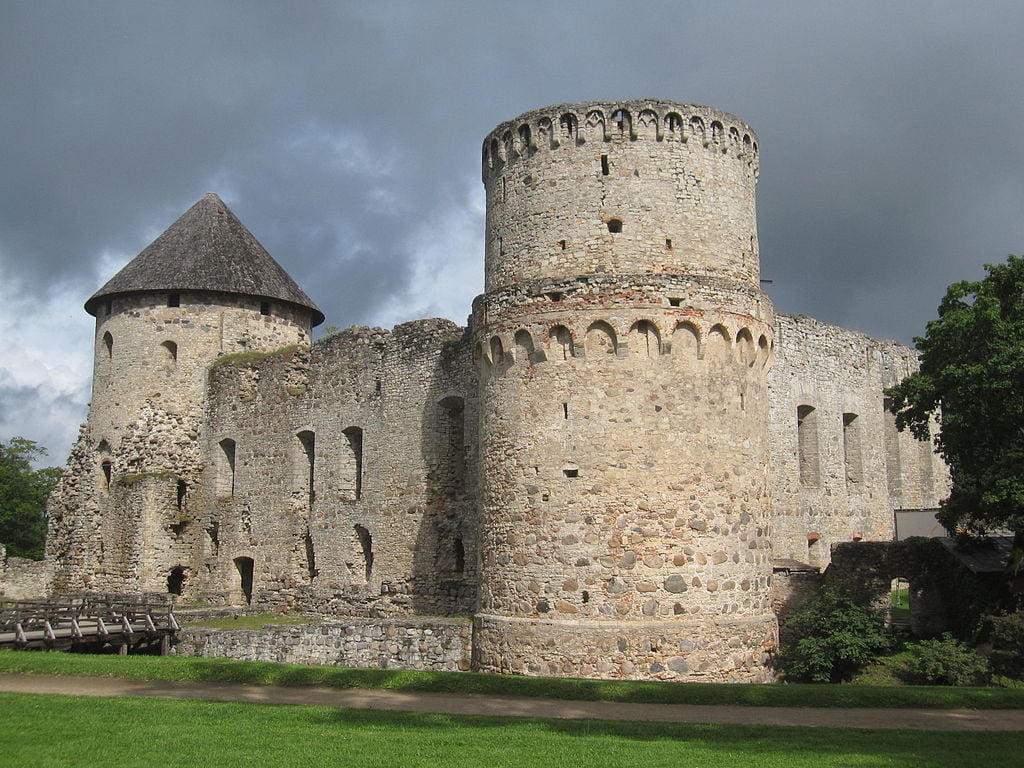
{"x":566,"y":127}
{"x":616,"y":189}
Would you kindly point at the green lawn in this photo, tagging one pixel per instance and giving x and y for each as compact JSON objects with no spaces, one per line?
{"x":49,"y":730}
{"x":261,"y":673}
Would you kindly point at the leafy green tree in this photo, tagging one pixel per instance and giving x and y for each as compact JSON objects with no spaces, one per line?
{"x":836,"y":637}
{"x":972,"y":379}
{"x":23,"y":494}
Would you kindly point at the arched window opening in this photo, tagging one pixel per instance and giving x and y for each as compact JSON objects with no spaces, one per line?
{"x":350,"y":483}
{"x":524,"y":138}
{"x":686,"y":341}
{"x":646,"y":339}
{"x":893,"y":463}
{"x":497,"y":351}
{"x":107,"y":470}
{"x":559,"y":343}
{"x":600,"y":340}
{"x":745,"y":345}
{"x":174,"y":300}
{"x":169,"y":350}
{"x":108,"y":345}
{"x":365,"y":544}
{"x":451,"y":442}
{"x":568,"y":124}
{"x":807,"y":445}
{"x":245,"y":568}
{"x":305,"y":465}
{"x":225,"y":467}
{"x":717,"y":347}
{"x":615,"y":226}
{"x":852,"y":449}
{"x":176,"y":580}
{"x":524,"y":346}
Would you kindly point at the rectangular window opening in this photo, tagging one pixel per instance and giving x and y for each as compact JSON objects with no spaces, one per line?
{"x":173,"y":300}
{"x":264,"y":307}
{"x":675,"y":302}
{"x":571,"y":472}
{"x":604,"y":165}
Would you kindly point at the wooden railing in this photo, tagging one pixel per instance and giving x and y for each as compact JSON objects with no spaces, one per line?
{"x":88,"y":618}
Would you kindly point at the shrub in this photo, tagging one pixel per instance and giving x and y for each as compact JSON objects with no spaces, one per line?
{"x":836,"y":637}
{"x":1008,"y":632}
{"x":945,"y":661}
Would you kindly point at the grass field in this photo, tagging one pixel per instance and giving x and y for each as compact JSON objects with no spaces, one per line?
{"x":261,"y":673}
{"x":47,"y":730}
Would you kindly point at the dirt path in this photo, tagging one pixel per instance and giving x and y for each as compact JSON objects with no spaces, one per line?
{"x":510,"y":706}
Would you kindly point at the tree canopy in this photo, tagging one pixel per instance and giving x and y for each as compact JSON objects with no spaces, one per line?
{"x":972,"y":378}
{"x":23,"y":494}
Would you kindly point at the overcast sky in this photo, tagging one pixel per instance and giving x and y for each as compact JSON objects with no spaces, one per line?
{"x":346,"y":136}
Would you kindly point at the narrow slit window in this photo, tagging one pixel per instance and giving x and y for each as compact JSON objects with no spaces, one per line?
{"x":351,"y":486}
{"x":604,"y":165}
{"x":226,"y":468}
{"x":565,"y":410}
{"x":182,"y":492}
{"x":108,"y":344}
{"x":807,"y":445}
{"x":305,"y":465}
{"x":365,"y":543}
{"x":459,"y":555}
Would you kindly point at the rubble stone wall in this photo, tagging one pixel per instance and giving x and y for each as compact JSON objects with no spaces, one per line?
{"x":441,"y":645}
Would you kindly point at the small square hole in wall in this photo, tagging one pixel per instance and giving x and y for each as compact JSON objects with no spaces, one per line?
{"x":561,"y":244}
{"x":614,"y":225}
{"x":173,"y":300}
{"x":554,"y":296}
{"x":675,"y":302}
{"x":571,"y":472}
{"x":668,"y":243}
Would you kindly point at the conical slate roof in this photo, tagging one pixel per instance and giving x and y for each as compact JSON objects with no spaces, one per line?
{"x":206,"y":249}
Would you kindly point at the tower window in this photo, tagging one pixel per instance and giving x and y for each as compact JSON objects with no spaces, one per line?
{"x":614,"y":225}
{"x":174,"y":300}
{"x":351,"y":479}
{"x":604,"y":165}
{"x":108,"y":307}
{"x":305,"y":465}
{"x":225,"y":468}
{"x":264,"y":307}
{"x":108,"y":344}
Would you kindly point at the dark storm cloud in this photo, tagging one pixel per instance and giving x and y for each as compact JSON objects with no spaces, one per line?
{"x":345,"y":135}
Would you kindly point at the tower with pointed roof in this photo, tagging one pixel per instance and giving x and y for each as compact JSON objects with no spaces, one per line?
{"x":205,"y":288}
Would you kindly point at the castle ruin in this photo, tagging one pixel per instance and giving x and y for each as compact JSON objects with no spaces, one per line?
{"x":600,"y":469}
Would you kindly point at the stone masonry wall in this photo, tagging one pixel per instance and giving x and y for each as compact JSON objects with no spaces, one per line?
{"x":441,"y":645}
{"x":351,"y":484}
{"x":839,"y":467}
{"x":23,"y":579}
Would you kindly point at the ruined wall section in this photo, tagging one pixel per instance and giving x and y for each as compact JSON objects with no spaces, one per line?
{"x":337,"y":479}
{"x":117,"y":518}
{"x":839,"y":467}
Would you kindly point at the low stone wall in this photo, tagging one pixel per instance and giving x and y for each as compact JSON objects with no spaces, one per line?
{"x":24,"y":579}
{"x":408,"y":643}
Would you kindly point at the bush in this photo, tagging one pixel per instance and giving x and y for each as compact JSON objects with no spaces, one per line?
{"x":945,"y":661}
{"x":836,"y":638}
{"x":1008,"y":632}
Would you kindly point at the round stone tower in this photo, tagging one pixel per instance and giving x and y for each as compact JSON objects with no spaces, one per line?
{"x":202,"y":289}
{"x":623,"y":343}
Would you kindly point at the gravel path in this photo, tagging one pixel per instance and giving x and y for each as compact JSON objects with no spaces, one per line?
{"x":510,"y":706}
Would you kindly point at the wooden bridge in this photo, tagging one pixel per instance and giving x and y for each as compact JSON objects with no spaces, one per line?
{"x":89,"y":621}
